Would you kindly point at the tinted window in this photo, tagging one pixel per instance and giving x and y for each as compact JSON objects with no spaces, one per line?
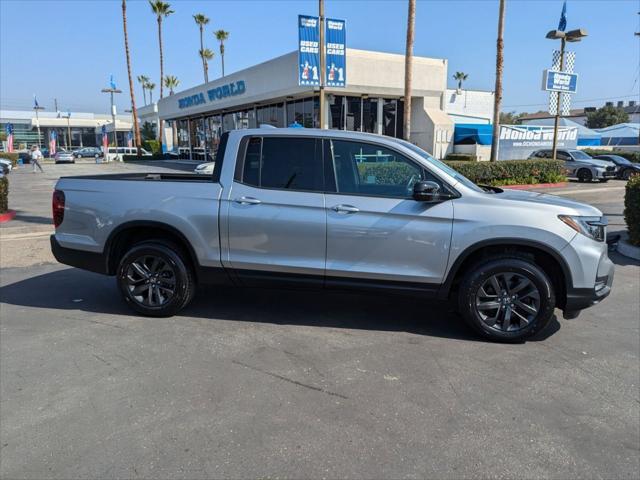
{"x":283,"y":163}
{"x":563,"y":156}
{"x":367,"y":169}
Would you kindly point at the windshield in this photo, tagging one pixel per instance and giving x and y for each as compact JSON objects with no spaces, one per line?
{"x":617,"y":159}
{"x":578,"y":155}
{"x":441,"y":166}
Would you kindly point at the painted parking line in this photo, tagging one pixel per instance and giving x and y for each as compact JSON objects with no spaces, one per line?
{"x":586,"y":190}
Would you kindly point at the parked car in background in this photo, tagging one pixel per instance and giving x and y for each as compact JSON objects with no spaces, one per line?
{"x":580,"y":165}
{"x":88,"y":152}
{"x":63,"y":156}
{"x":6,"y":165}
{"x":25,"y":157}
{"x":626,"y":168}
{"x":205,"y":168}
{"x":113,"y":153}
{"x":295,"y":207}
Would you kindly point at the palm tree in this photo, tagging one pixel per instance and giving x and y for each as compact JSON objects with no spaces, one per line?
{"x":171,"y":82}
{"x":150,"y":86}
{"x":143,"y":80}
{"x":460,"y":77}
{"x":134,"y":110}
{"x":497,"y":96}
{"x":206,"y":55}
{"x":221,"y":36}
{"x":161,"y":10}
{"x":408,"y":74}
{"x":201,"y":20}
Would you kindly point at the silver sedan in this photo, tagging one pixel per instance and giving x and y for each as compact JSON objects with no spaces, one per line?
{"x":62,"y":156}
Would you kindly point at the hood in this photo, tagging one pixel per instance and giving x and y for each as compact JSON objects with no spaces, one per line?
{"x":599,"y":163}
{"x":564,"y":204}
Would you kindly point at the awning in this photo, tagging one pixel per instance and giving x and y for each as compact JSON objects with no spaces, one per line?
{"x":472,"y":133}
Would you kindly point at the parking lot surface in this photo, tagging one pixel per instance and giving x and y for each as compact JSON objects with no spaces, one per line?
{"x":274,"y":383}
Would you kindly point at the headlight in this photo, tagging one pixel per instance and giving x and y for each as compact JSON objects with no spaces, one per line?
{"x":592,"y":227}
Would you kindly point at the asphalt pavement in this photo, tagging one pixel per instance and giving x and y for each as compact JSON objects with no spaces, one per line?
{"x":251,"y":383}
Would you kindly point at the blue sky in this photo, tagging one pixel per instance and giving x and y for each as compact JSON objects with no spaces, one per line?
{"x":66,"y":49}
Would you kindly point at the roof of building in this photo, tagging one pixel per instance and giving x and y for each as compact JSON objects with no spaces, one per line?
{"x":577,"y":112}
{"x":620,"y":130}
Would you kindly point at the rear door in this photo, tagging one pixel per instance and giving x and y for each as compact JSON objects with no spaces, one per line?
{"x":376,"y":231}
{"x":276,"y":211}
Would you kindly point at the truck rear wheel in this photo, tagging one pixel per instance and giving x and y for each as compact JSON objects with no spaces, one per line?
{"x":156,"y":279}
{"x":506,"y":299}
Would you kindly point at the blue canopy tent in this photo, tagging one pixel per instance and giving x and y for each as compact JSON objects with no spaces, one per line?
{"x":620,"y":134}
{"x":586,"y":136}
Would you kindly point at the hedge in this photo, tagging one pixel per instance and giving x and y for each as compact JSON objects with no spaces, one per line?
{"x":466,"y":157}
{"x":152,"y":146}
{"x":4,"y":194}
{"x":512,"y":172}
{"x":10,"y":156}
{"x":631,"y":156}
{"x":632,"y":209}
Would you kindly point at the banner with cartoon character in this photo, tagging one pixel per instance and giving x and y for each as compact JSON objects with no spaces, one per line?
{"x":308,"y":50}
{"x":336,"y":53}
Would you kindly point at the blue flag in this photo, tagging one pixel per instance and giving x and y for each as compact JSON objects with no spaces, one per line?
{"x":563,"y":17}
{"x":112,"y":82}
{"x":35,"y":101}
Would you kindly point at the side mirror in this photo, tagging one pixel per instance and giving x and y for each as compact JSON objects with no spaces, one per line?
{"x":426,"y":191}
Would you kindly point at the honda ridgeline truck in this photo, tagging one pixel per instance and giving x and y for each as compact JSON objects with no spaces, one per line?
{"x":302,"y":207}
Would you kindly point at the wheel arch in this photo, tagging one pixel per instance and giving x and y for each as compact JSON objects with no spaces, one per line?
{"x":544,"y":256}
{"x":137,"y":231}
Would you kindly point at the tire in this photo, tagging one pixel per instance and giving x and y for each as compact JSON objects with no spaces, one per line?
{"x":524,"y":279}
{"x":585,"y":175}
{"x":162,"y":275}
{"x":626,"y":174}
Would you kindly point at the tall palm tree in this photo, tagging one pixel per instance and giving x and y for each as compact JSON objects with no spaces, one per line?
{"x":134,"y":110}
{"x":150,"y":86}
{"x":221,"y":36}
{"x":171,"y":82}
{"x":460,"y":77}
{"x":206,"y":55}
{"x":497,"y":96}
{"x":408,"y":74}
{"x":161,"y":10}
{"x":143,"y":80}
{"x":201,"y":20}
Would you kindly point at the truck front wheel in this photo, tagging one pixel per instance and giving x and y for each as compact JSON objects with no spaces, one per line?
{"x":156,"y":279}
{"x":506,"y":299}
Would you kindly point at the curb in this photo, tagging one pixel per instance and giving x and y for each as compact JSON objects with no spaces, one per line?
{"x":535,"y":185}
{"x":628,"y":250}
{"x":7,"y":216}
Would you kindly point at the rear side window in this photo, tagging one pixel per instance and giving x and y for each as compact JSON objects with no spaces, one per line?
{"x":222,"y":148}
{"x":283,"y":163}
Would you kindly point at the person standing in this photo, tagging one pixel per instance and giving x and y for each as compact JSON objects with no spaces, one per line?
{"x":36,"y":156}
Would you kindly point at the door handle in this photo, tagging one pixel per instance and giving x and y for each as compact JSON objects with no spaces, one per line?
{"x":247,"y":201}
{"x":345,"y":209}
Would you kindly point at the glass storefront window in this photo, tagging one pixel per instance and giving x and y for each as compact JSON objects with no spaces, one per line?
{"x":370,"y":115}
{"x":354,"y":113}
{"x":336,"y":112}
{"x":271,"y":115}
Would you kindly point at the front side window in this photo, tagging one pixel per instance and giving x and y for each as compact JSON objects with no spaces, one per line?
{"x":283,"y":163}
{"x":578,"y":155}
{"x":368,"y":169}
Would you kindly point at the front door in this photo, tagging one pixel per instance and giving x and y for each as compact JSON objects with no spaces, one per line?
{"x":376,"y":232}
{"x":276,"y":213}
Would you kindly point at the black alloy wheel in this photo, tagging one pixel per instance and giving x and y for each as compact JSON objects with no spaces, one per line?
{"x":585,"y":175}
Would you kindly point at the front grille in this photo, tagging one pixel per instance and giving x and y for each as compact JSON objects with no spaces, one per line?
{"x":611,"y":169}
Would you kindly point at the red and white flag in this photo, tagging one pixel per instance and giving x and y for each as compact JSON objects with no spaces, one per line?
{"x":53,"y":137}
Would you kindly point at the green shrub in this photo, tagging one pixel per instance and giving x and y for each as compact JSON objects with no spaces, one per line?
{"x":393,"y":173}
{"x":10,"y":156}
{"x":631,"y":156}
{"x":512,"y":172}
{"x":152,"y":146}
{"x":4,"y":194}
{"x":461,"y":157}
{"x":632,"y":209}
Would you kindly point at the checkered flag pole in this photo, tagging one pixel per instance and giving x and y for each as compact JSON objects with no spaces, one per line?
{"x":565,"y":98}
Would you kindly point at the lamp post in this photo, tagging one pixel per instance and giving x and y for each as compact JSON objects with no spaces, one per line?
{"x":321,"y":97}
{"x":572,"y":36}
{"x":68,"y":117}
{"x":111,"y":91}
{"x":37,"y":108}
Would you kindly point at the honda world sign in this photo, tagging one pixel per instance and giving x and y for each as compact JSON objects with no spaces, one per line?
{"x":517,"y":142}
{"x":554,"y":81}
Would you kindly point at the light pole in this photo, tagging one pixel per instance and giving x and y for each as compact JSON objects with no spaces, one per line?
{"x":111,"y":91}
{"x":572,"y":36}
{"x":321,"y":99}
{"x":37,"y":108}
{"x":68,"y":117}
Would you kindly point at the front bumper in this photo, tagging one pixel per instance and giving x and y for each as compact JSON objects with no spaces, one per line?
{"x":581,"y":298}
{"x":606,"y":174}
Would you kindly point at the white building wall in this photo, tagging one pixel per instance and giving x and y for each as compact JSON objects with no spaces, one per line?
{"x":469,"y":106}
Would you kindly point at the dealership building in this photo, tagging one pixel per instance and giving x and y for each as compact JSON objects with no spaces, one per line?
{"x":372,"y":101}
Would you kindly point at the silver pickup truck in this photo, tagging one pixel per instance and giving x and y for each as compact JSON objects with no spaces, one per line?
{"x":323,"y":208}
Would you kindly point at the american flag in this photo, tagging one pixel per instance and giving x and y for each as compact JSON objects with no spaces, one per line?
{"x":9,"y":130}
{"x":53,"y":137}
{"x":130,"y":139}
{"x":105,"y":140}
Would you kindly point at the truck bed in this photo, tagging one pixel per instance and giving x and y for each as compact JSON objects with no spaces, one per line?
{"x":147,"y":177}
